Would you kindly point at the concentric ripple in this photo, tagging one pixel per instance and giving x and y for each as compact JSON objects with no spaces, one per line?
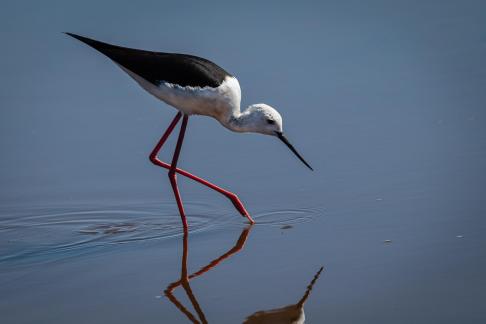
{"x":286,"y":217}
{"x":39,"y":233}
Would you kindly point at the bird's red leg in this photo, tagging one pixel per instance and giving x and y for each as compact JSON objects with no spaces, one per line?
{"x":155,"y":160}
{"x":155,"y":151}
{"x":172,"y":171}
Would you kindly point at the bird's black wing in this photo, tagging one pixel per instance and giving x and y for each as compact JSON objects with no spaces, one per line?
{"x":155,"y":67}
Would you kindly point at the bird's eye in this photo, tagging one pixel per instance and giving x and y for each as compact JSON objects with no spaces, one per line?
{"x":271,"y":121}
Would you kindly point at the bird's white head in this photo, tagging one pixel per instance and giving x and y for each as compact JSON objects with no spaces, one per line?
{"x":264,"y":119}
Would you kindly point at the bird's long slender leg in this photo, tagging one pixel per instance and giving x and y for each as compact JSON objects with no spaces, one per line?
{"x":155,"y":151}
{"x":155,"y":160}
{"x":173,"y":168}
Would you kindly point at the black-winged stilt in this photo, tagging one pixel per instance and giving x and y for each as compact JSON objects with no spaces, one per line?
{"x":194,"y":86}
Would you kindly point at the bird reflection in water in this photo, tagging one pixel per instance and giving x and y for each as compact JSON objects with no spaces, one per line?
{"x":292,"y":314}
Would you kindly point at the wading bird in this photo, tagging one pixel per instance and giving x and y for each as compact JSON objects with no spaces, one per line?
{"x":194,"y":86}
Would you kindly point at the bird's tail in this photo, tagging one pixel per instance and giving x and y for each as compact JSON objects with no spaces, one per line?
{"x":102,"y":47}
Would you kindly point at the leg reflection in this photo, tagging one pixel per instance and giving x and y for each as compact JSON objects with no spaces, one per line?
{"x":185,"y":277}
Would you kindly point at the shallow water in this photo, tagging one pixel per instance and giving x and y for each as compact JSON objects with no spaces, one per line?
{"x":50,"y":233}
{"x":392,"y":120}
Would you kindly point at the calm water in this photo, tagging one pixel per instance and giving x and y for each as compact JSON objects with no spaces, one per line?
{"x":385,"y":100}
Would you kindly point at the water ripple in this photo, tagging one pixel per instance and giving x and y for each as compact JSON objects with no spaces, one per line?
{"x":61,"y":231}
{"x":284,"y":217}
{"x":40,"y":234}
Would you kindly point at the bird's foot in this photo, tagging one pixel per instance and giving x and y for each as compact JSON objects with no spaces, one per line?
{"x":239,"y":206}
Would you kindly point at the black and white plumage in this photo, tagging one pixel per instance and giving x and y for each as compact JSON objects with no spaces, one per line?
{"x":180,"y":69}
{"x":194,"y":86}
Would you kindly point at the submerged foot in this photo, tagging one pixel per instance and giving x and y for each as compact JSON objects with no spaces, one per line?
{"x":239,"y":206}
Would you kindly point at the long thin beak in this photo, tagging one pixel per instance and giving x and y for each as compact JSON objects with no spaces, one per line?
{"x":290,"y":146}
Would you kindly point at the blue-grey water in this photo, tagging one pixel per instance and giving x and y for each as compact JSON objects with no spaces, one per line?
{"x":385,"y":99}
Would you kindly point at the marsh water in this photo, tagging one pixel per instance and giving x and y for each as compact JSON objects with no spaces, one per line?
{"x":386,"y":100}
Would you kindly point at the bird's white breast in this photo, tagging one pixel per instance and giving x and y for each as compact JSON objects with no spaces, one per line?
{"x":220,"y":102}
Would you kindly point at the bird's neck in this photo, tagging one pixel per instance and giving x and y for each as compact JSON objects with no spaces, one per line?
{"x":240,"y":122}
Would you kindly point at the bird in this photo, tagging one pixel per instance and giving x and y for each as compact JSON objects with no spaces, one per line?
{"x":194,"y":86}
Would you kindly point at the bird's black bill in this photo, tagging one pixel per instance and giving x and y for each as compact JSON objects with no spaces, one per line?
{"x":286,"y":141}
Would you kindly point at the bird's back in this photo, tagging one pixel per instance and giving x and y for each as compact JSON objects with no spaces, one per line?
{"x":157,"y":67}
{"x":189,"y":83}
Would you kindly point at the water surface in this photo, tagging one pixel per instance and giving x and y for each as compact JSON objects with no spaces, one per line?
{"x":385,"y":100}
